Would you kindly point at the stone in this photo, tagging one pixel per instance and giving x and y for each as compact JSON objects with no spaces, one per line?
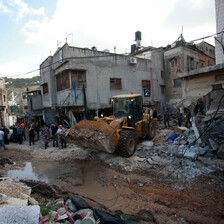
{"x":148,"y":143}
{"x":61,"y":211}
{"x":20,"y":214}
{"x":33,"y":201}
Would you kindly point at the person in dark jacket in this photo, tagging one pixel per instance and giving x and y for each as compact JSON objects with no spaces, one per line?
{"x":37,"y":129}
{"x":54,"y":129}
{"x":6,"y":132}
{"x":14,"y":134}
{"x":31,"y":133}
{"x":19,"y":133}
{"x":166,"y":118}
{"x":179,"y":118}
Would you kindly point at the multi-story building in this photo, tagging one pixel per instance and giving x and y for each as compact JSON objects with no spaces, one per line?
{"x":79,"y":80}
{"x":182,"y":57}
{"x":219,"y":39}
{"x":4,"y":117}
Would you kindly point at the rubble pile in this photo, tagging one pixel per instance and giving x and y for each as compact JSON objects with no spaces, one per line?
{"x":76,"y":210}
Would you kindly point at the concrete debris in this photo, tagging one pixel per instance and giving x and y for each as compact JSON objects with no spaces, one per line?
{"x":148,"y":143}
{"x":20,"y":214}
{"x":14,"y":193}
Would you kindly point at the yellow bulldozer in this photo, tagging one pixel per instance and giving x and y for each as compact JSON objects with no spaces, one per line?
{"x":117,"y":133}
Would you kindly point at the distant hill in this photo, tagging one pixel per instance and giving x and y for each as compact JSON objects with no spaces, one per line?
{"x":22,"y":83}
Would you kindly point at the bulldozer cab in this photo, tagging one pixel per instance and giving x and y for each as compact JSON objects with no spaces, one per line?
{"x":129,"y":106}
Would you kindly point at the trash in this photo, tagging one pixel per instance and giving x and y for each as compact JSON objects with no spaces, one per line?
{"x":44,"y":219}
{"x":173,"y":136}
{"x":71,"y":205}
{"x":61,"y":211}
{"x":79,"y":202}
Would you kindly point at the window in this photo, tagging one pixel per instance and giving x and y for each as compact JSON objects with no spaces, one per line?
{"x":219,"y":78}
{"x":45,"y":88}
{"x":162,"y":75}
{"x":79,"y":76}
{"x":115,"y":83}
{"x":163,"y":90}
{"x":62,"y":81}
{"x":177,"y":82}
{"x":190,"y":63}
{"x":146,"y":84}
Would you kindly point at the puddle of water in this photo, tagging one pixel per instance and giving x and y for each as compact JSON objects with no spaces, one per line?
{"x":43,"y":171}
{"x":24,"y":173}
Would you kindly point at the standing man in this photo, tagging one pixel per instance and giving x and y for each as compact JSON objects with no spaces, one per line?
{"x":45,"y":134}
{"x":6,"y":132}
{"x":31,"y":133}
{"x":166,"y":118}
{"x":62,"y":141}
{"x":179,"y":118}
{"x":19,"y":133}
{"x":37,"y":129}
{"x":2,"y":139}
{"x":54,"y":129}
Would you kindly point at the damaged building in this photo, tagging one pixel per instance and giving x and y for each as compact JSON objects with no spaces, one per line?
{"x":79,"y":82}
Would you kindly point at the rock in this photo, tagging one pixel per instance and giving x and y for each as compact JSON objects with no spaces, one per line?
{"x":33,"y":201}
{"x":71,"y":205}
{"x":79,"y":202}
{"x":61,"y":211}
{"x":20,"y":214}
{"x":148,"y":143}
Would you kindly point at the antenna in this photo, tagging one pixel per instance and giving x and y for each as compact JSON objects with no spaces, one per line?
{"x":182,"y":30}
{"x":67,"y":38}
{"x":115,"y":49}
{"x":58,"y":43}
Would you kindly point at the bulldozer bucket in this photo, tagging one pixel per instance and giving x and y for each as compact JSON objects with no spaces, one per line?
{"x":97,"y":135}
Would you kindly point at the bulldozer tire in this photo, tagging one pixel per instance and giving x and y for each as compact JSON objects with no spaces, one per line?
{"x":151,"y":130}
{"x":127,"y":143}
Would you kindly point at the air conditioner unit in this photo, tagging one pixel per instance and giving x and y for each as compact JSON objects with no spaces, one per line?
{"x":132,"y":60}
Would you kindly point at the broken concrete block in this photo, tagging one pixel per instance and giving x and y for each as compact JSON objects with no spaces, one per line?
{"x":33,"y":201}
{"x":20,"y":214}
{"x":181,"y":129}
{"x":148,"y":143}
{"x":190,"y":154}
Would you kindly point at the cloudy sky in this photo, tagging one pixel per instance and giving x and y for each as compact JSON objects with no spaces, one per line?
{"x":32,"y":29}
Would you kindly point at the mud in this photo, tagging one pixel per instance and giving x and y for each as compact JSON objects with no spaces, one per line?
{"x":145,"y":195}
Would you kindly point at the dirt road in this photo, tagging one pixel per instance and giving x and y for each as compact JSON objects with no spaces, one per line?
{"x":147,"y":197}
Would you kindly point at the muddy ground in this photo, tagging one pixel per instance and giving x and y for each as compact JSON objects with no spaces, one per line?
{"x":154,"y":186}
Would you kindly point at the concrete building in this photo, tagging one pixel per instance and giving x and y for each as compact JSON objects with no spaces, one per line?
{"x":219,"y":39}
{"x":198,"y":83}
{"x":4,"y":117}
{"x":79,"y":80}
{"x":35,"y":105}
{"x":182,"y":57}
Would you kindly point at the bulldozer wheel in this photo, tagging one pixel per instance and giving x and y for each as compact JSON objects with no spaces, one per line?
{"x":152,"y":130}
{"x":127,"y":143}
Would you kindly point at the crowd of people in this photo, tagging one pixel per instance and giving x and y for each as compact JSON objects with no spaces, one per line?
{"x":180,"y":117}
{"x":20,"y":132}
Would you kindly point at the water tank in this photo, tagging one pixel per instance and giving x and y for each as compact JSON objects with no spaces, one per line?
{"x":133,"y":47}
{"x":106,"y":50}
{"x":94,"y":48}
{"x":138,"y":35}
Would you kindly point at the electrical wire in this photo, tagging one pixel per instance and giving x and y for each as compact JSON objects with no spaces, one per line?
{"x":100,"y":56}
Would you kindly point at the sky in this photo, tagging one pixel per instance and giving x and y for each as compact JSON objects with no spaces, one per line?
{"x":31,"y":30}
